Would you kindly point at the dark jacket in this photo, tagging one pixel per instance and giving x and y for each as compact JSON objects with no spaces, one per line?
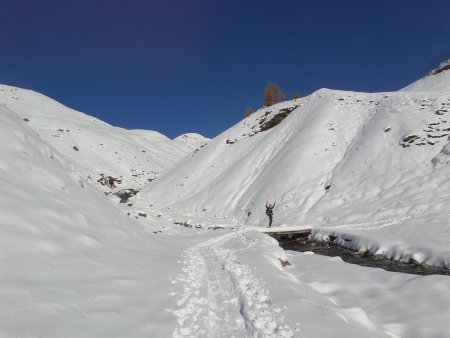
{"x":269,"y":210}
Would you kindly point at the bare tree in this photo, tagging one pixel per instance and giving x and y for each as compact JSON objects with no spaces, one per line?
{"x":297,"y":95}
{"x":272,"y":94}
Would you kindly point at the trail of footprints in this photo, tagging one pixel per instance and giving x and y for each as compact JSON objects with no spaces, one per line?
{"x":222,"y":298}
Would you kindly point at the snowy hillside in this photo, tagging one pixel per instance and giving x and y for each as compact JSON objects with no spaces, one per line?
{"x":335,"y":151}
{"x":73,"y":265}
{"x":65,"y":249}
{"x":435,"y":81}
{"x":100,"y":150}
{"x":369,"y":171}
{"x":192,"y":140}
{"x":334,"y":158}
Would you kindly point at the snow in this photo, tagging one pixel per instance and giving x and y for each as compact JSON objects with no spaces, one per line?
{"x":135,"y":156}
{"x":436,"y":81}
{"x":193,"y":141}
{"x":369,"y":169}
{"x":232,"y":294}
{"x":399,"y":304}
{"x":339,"y":159}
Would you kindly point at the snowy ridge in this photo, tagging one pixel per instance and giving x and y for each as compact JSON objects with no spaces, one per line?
{"x":192,"y":140}
{"x":444,"y":66}
{"x":436,"y":81}
{"x":335,"y":159}
{"x":324,"y":155}
{"x":99,"y":149}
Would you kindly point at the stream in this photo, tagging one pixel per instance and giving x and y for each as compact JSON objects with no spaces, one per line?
{"x":377,"y":261}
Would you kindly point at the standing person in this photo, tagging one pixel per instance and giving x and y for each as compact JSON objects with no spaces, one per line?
{"x":269,"y":212}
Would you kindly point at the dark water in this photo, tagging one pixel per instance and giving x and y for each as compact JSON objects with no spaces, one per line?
{"x":349,"y":256}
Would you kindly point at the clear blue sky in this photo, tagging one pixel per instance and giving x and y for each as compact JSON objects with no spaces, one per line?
{"x":179,"y":66}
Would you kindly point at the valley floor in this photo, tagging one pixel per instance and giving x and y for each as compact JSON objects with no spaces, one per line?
{"x":222,"y":283}
{"x":234,"y":285}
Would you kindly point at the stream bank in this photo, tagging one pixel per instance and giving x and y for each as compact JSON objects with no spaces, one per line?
{"x":302,"y":244}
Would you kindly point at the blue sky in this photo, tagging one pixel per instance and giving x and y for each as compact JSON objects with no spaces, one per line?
{"x":179,"y":66}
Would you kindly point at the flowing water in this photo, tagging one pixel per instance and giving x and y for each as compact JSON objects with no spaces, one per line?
{"x":377,"y":261}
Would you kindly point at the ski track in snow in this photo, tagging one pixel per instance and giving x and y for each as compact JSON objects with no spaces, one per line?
{"x":222,"y":298}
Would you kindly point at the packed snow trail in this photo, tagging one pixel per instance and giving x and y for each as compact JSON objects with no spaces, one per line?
{"x":222,"y":298}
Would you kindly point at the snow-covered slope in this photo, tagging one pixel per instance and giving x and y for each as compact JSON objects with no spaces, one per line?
{"x":135,"y":157}
{"x":73,"y":265}
{"x":70,"y":260}
{"x":370,"y":169}
{"x":336,"y":158}
{"x":192,"y":140}
{"x":436,"y":81}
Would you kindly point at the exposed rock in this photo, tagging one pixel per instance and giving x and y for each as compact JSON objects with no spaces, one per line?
{"x":228,"y":141}
{"x":126,"y":194}
{"x":109,"y":181}
{"x":442,"y":67}
{"x":360,"y":254}
{"x":276,"y":119}
{"x":284,"y":263}
{"x":379,"y":257}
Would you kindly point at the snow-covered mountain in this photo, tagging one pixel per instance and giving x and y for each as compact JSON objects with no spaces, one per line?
{"x":192,"y":140}
{"x":435,"y":81}
{"x":370,"y":170}
{"x":134,"y":157}
{"x":67,"y":253}
{"x":334,"y":157}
